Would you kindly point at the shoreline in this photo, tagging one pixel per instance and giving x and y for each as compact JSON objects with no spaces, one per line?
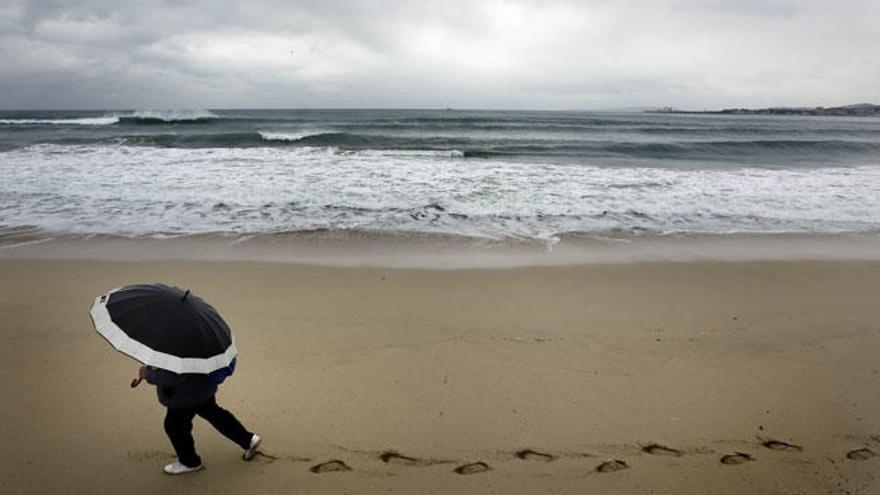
{"x":439,"y":251}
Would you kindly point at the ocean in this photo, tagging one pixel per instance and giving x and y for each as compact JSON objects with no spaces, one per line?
{"x":484,"y":174}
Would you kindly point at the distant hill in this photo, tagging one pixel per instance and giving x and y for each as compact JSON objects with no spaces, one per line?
{"x":857,"y":110}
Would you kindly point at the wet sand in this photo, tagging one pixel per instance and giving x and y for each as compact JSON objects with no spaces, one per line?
{"x":359,"y":248}
{"x":697,"y":377}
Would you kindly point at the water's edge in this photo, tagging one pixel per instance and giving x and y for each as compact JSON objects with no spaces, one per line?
{"x":439,"y":251}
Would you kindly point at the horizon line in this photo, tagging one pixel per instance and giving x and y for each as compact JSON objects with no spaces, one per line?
{"x":625,"y":109}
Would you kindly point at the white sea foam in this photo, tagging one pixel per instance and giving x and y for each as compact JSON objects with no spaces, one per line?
{"x":106,"y":120}
{"x":413,"y":153}
{"x":171,"y":115}
{"x":142,"y":190}
{"x":164,"y":115}
{"x":290,"y":135}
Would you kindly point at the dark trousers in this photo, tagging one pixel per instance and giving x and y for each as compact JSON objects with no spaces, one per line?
{"x":178,"y":426}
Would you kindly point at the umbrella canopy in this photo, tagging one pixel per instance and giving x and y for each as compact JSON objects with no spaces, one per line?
{"x":165,"y":327}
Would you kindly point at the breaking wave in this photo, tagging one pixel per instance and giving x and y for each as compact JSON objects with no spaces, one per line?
{"x":160,"y":117}
{"x":290,"y":136}
{"x":141,"y":117}
{"x":80,"y":121}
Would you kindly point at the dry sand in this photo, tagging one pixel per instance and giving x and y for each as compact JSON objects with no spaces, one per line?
{"x":587,"y":364}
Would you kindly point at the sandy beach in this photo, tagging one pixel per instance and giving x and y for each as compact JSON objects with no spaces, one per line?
{"x":459,"y":247}
{"x":409,"y":376}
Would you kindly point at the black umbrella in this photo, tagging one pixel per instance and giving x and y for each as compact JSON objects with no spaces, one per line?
{"x":166,"y":327}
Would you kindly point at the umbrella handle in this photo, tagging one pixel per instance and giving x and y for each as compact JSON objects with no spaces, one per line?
{"x":135,"y":382}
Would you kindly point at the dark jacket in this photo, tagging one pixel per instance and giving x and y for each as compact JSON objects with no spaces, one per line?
{"x":181,"y":391}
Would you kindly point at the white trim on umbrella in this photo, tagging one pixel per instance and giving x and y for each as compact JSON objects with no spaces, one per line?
{"x":131,"y":347}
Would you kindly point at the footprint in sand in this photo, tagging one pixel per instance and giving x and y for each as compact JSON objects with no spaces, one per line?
{"x":657,"y":449}
{"x":860,"y":454}
{"x":612,"y":466}
{"x":392,"y":457}
{"x":737,"y":458}
{"x":781,"y":446}
{"x":473,"y":468}
{"x":265,"y":457}
{"x":532,"y":455}
{"x":330,"y":467}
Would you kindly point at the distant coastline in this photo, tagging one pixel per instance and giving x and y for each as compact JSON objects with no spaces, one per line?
{"x":857,"y":110}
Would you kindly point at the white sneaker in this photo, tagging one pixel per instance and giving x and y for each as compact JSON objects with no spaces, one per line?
{"x":178,"y":468}
{"x":252,"y":450}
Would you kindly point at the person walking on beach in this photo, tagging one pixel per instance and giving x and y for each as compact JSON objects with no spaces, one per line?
{"x":186,"y":351}
{"x":186,"y":396}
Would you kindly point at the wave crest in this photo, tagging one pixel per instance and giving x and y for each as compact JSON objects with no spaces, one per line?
{"x":160,"y":117}
{"x":175,"y":115}
{"x":292,"y":136}
{"x":106,"y":120}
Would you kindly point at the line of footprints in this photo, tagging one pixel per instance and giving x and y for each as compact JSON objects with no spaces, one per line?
{"x":611,"y":466}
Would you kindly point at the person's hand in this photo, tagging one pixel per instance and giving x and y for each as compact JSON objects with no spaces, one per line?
{"x":142,"y":374}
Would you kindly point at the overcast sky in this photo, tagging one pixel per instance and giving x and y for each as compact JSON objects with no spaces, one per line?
{"x":587,"y":54}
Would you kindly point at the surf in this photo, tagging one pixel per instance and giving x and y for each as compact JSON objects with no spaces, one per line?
{"x":108,"y":120}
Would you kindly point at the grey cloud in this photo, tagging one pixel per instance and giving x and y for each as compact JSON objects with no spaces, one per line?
{"x":527,"y":54}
